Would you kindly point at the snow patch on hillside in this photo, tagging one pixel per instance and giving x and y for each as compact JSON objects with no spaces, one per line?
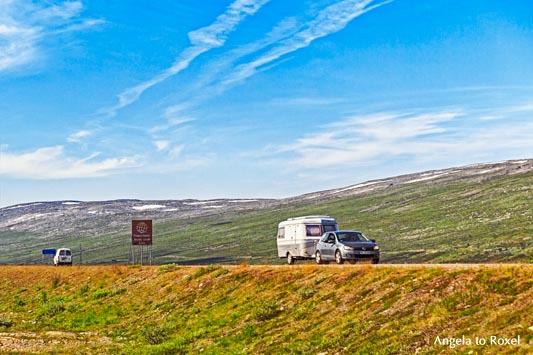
{"x":148,"y":207}
{"x":430,"y":177}
{"x":358,"y":186}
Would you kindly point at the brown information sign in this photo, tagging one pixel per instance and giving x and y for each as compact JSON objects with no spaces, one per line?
{"x":141,"y":232}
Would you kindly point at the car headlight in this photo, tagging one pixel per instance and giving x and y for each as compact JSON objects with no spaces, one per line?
{"x":376,"y":247}
{"x":346,"y":247}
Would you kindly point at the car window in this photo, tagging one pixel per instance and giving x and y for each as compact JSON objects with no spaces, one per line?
{"x":325,"y":238}
{"x":351,"y":237}
{"x":281,"y":232}
{"x":331,"y":237}
{"x":62,"y":252}
{"x":68,"y":252}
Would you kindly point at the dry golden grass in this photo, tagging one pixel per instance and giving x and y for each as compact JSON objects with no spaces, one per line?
{"x":302,"y":309}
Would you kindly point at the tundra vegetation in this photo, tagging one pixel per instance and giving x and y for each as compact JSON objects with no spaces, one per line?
{"x":247,"y":309}
{"x":472,"y":214}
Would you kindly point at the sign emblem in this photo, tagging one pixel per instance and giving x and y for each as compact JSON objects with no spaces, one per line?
{"x":141,"y":232}
{"x":141,"y":228}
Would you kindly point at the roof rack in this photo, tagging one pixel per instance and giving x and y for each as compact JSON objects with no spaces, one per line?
{"x":307,"y":217}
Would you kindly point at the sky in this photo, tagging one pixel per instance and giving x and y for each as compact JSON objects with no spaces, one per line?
{"x":103,"y":100}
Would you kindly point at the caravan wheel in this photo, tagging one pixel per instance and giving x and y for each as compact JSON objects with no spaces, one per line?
{"x":290,"y":259}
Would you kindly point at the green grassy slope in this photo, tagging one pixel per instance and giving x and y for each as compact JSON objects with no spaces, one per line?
{"x":460,"y":221}
{"x":485,"y":218}
{"x":264,"y":309}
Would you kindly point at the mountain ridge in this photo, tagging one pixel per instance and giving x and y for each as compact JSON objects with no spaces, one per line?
{"x":41,"y":224}
{"x":524,"y":165}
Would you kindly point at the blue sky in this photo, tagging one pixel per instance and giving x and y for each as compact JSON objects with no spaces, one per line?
{"x":255,"y":98}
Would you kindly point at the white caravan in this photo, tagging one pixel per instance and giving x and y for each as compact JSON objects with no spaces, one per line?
{"x":298,"y":237}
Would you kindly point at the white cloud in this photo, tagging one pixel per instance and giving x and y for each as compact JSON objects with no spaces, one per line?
{"x":528,"y":107}
{"x":330,"y":20}
{"x":25,"y":24}
{"x":308,"y":101}
{"x":491,"y":117}
{"x":174,"y":116}
{"x":78,"y":136}
{"x":17,"y":45}
{"x":202,"y":40}
{"x":289,"y":35}
{"x":205,"y":86}
{"x":171,"y":123}
{"x":215,"y":35}
{"x":52,"y":163}
{"x":176,"y":151}
{"x":363,"y":138}
{"x":65,"y":11}
{"x":424,"y":137}
{"x":161,"y":145}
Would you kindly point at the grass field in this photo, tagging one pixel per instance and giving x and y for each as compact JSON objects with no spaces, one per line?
{"x":461,"y":221}
{"x":468,"y":218}
{"x":245,"y":309}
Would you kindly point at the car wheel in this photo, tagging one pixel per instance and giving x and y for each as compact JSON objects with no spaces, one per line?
{"x":290,"y":259}
{"x":375,"y":261}
{"x":318,"y":258}
{"x":338,"y":257}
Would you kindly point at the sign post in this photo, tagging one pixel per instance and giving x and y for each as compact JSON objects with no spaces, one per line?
{"x":141,"y":235}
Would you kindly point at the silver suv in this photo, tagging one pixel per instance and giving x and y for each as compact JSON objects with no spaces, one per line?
{"x":346,"y":245}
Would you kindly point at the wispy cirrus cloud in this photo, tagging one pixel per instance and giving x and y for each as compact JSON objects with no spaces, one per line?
{"x":173,"y":152}
{"x":308,"y":101}
{"x":424,"y":137}
{"x":161,"y":145}
{"x":78,"y":137}
{"x":201,"y":40}
{"x":329,"y":20}
{"x":51,"y":163}
{"x":359,"y":139}
{"x":25,"y":24}
{"x":287,"y":36}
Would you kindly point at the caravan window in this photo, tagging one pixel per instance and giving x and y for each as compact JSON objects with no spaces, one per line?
{"x":330,"y":227}
{"x":281,"y":232}
{"x":313,"y":230}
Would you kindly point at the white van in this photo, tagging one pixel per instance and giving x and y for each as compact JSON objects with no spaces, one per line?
{"x":63,"y":257}
{"x":298,"y":237}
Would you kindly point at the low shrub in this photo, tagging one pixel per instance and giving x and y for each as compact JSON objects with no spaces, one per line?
{"x":84,"y":289}
{"x":55,"y":281}
{"x":167,"y":268}
{"x":53,"y":308}
{"x":306,"y":292}
{"x":101,"y":293}
{"x":154,"y":334}
{"x":205,"y":270}
{"x":266,"y":310}
{"x":6,"y":323}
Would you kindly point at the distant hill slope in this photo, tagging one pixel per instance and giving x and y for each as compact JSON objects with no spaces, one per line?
{"x":476,"y":213}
